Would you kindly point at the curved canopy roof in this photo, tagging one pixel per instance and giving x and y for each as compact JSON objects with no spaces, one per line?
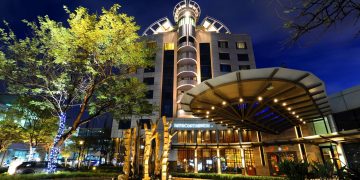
{"x":269,"y":100}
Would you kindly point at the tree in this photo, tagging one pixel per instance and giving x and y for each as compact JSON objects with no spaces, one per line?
{"x":303,"y":17}
{"x":86,"y":66}
{"x":9,"y":133}
{"x":37,"y":126}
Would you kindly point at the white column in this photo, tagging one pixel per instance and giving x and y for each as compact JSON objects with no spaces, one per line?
{"x":218,"y":161}
{"x":195,"y":161}
{"x":341,"y":155}
{"x":242,"y":152}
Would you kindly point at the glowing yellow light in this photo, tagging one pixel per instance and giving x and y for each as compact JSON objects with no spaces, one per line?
{"x":234,"y":127}
{"x":224,"y":103}
{"x":304,"y":122}
{"x":297,"y":116}
{"x":207,"y":116}
{"x":289,"y":109}
{"x":81,"y":142}
{"x":284,"y":104}
{"x":293,"y":112}
{"x":241,"y":100}
{"x":212,"y":107}
{"x":207,"y":112}
{"x":260,"y":98}
{"x":94,"y":168}
{"x":212,"y":119}
{"x":276,"y":100}
{"x":301,"y":119}
{"x":226,"y":124}
{"x":220,"y":122}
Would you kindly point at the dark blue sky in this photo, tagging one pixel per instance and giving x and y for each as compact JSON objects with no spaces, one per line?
{"x":333,"y":56}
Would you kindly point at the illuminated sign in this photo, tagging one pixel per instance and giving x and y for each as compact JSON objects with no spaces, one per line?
{"x":192,"y":126}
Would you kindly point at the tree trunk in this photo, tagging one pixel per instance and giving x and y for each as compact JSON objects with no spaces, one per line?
{"x":31,"y":153}
{"x":55,"y":149}
{"x":3,"y":157}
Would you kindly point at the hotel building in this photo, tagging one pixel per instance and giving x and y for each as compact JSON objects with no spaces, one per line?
{"x":228,"y":115}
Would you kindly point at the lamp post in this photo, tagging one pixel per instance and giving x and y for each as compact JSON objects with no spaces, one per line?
{"x":81,"y":143}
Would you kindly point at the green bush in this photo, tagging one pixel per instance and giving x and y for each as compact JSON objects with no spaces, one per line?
{"x":294,"y":170}
{"x":322,"y":170}
{"x":57,"y":175}
{"x":223,"y":176}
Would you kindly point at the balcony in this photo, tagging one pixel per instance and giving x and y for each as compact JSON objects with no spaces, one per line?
{"x":185,"y":85}
{"x":186,"y":71}
{"x":187,"y":58}
{"x":186,"y":47}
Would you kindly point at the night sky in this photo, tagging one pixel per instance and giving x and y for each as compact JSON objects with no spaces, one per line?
{"x":334,"y":56}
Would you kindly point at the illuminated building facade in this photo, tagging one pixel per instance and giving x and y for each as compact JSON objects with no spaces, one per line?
{"x":201,"y":60}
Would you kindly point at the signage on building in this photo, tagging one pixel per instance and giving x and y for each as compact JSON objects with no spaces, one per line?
{"x":192,"y":125}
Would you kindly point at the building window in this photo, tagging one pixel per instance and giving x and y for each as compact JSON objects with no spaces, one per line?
{"x":241,"y":45}
{"x":169,"y":46}
{"x":149,"y":94}
{"x":124,"y":124}
{"x":225,"y":68}
{"x":149,"y":81}
{"x":224,"y":56}
{"x":152,"y":44}
{"x":149,"y":69}
{"x":145,"y":121}
{"x":223,"y":44}
{"x":243,"y":57}
{"x":244,"y":67}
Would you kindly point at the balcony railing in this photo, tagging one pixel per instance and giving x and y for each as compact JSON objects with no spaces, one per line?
{"x":183,"y":83}
{"x":187,"y":55}
{"x":186,"y":44}
{"x":182,"y":69}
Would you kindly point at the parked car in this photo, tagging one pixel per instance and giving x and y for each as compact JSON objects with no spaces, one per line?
{"x":36,"y":167}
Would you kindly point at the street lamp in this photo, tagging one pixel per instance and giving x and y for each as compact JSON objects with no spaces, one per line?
{"x":81,"y":143}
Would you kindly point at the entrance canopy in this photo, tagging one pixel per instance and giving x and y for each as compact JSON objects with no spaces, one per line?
{"x":270,"y":100}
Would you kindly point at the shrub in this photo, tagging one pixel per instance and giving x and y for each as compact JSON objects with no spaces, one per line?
{"x":223,"y":176}
{"x":294,"y":170}
{"x":322,"y":170}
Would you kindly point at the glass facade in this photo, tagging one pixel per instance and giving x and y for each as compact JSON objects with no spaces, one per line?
{"x":168,"y":81}
{"x":205,"y":61}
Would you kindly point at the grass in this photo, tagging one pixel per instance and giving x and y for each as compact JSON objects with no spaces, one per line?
{"x":224,"y":176}
{"x":57,"y":175}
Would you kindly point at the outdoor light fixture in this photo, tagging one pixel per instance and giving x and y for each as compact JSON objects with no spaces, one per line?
{"x":212,"y":107}
{"x":293,"y":112}
{"x":297,"y":116}
{"x":224,"y":103}
{"x":276,"y":100}
{"x":207,"y":112}
{"x":212,"y":119}
{"x":260,"y":98}
{"x":301,"y":119}
{"x":304,"y":122}
{"x":220,"y":122}
{"x":289,"y":109}
{"x":284,"y":104}
{"x":241,"y":100}
{"x":207,"y":116}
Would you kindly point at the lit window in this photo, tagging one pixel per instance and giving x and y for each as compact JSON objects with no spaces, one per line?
{"x":151,"y":44}
{"x":187,"y":20}
{"x":241,"y":45}
{"x":169,"y":46}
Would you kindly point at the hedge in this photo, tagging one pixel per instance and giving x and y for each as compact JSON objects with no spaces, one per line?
{"x":223,"y":176}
